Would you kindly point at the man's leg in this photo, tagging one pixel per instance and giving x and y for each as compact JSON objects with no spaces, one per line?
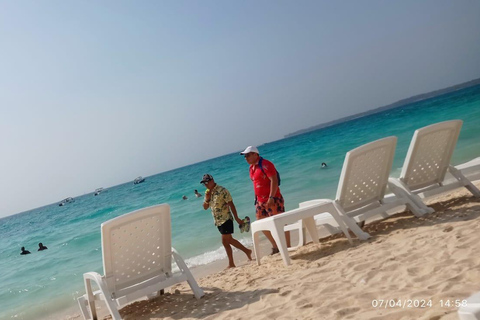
{"x":226,"y":240}
{"x":269,"y":236}
{"x":287,"y":236}
{"x":237,"y":244}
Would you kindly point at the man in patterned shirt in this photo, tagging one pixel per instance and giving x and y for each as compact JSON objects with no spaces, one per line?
{"x":219,"y":200}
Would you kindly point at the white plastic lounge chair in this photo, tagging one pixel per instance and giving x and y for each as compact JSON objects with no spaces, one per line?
{"x":137,"y":261}
{"x":276,"y":225}
{"x":427,"y":162}
{"x":363,"y":181}
{"x":472,"y":310}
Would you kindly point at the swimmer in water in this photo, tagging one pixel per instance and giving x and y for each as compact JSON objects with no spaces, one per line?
{"x":41,"y":247}
{"x":324,"y":165}
{"x":184,"y":197}
{"x":197,"y":194}
{"x":24,"y":251}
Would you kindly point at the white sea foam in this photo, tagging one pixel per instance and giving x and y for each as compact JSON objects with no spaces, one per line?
{"x":212,"y":256}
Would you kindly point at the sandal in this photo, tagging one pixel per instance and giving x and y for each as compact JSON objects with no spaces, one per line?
{"x":246,"y":224}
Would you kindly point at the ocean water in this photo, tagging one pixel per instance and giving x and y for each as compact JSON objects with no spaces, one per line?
{"x":49,"y":281}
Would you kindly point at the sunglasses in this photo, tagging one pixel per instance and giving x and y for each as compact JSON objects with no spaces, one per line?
{"x":247,"y":155}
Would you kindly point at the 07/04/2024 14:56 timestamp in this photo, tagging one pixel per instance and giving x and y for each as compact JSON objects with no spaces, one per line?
{"x":417,"y":303}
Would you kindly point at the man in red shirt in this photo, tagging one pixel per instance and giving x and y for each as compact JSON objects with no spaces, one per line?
{"x":268,"y":198}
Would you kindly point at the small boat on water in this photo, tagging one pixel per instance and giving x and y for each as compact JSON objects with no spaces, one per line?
{"x":138,"y":180}
{"x":98,"y":191}
{"x":65,"y":201}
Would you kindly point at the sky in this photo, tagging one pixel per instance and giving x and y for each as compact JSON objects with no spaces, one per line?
{"x":96,"y":93}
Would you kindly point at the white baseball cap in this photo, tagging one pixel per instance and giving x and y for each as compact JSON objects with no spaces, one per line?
{"x":250,"y":149}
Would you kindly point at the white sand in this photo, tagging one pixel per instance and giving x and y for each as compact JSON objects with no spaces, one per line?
{"x":425,"y":261}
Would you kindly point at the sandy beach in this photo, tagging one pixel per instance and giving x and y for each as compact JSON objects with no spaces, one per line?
{"x":411,"y":268}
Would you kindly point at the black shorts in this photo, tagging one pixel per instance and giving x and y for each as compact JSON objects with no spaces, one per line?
{"x":226,"y":228}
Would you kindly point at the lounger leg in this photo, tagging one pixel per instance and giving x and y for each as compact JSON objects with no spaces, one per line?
{"x":467,"y":183}
{"x":279,"y":236}
{"x":351,"y":223}
{"x":418,"y":212}
{"x":83,"y":304}
{"x":311,"y":227}
{"x":197,"y":291}
{"x":301,"y":234}
{"x":414,"y":202}
{"x":106,"y":295}
{"x":256,"y":245}
{"x":90,"y":299}
{"x":298,"y":226}
{"x":113,"y":309}
{"x":341,"y":223}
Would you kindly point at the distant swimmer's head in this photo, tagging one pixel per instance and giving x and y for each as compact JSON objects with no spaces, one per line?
{"x":207,"y":181}
{"x":251,"y":154}
{"x":24,"y":251}
{"x":41,"y":247}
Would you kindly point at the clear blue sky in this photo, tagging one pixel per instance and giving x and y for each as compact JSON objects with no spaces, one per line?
{"x":96,"y":93}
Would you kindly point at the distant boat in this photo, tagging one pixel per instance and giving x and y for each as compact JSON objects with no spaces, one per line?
{"x":65,"y":201}
{"x":138,"y":180}
{"x":98,"y":191}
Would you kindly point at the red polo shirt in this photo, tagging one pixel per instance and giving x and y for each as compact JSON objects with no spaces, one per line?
{"x":261,"y":181}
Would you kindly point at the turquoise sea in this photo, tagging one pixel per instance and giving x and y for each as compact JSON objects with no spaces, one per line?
{"x":49,"y":281}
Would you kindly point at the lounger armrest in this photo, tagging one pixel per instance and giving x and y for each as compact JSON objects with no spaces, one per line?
{"x":99,"y":280}
{"x":110,"y":300}
{"x":95,"y":276}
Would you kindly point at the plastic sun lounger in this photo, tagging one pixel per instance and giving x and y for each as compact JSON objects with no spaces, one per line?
{"x":137,"y":261}
{"x":472,"y":310}
{"x":428,"y":161}
{"x":276,"y":224}
{"x":360,"y":195}
{"x":362,"y":185}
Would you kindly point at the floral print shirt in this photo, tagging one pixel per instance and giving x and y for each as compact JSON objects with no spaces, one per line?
{"x":219,"y":200}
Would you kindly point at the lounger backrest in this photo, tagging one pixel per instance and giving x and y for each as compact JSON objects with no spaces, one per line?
{"x":137,"y":247}
{"x":365,"y":174}
{"x":429,"y":154}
